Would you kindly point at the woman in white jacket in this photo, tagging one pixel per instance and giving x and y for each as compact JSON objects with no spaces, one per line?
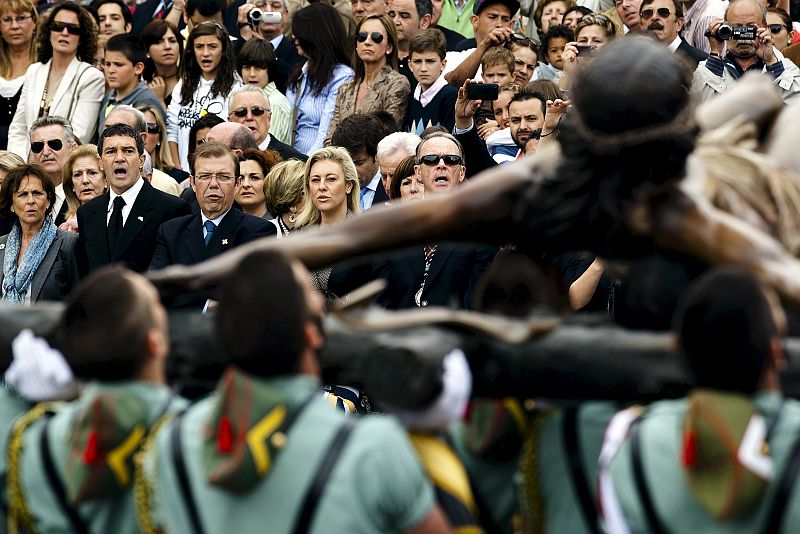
{"x":62,"y":83}
{"x":208,"y":75}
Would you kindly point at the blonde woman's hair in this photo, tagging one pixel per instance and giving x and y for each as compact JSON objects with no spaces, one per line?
{"x":9,"y":160}
{"x":310,"y":214}
{"x":283,"y":186}
{"x":162,"y":159}
{"x":82,"y":151}
{"x":20,"y":7}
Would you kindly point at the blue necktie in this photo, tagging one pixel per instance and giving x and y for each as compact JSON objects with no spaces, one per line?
{"x":210,"y":227}
{"x":361,"y":197}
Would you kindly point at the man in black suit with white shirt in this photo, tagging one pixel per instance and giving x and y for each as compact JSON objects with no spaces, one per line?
{"x":120,"y":225}
{"x":664,"y":19}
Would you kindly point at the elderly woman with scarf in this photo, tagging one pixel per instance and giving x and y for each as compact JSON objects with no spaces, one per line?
{"x":38,"y":259}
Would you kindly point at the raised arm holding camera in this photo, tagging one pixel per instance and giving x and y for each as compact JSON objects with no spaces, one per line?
{"x":749,"y":49}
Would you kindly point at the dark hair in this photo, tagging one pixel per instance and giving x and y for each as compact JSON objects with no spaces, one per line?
{"x":320,"y":31}
{"x":357,"y":133}
{"x":266,"y":159}
{"x":725,"y":326}
{"x":151,"y":35}
{"x":583,"y":10}
{"x":258,"y":53}
{"x":424,"y":7}
{"x":388,"y":122}
{"x":213,"y":149}
{"x":87,"y":41}
{"x":787,"y":20}
{"x":404,"y":169}
{"x":556,"y":31}
{"x":125,"y":11}
{"x":526,"y":95}
{"x":129,"y":45}
{"x":675,"y":3}
{"x":547,"y":88}
{"x":13,"y":181}
{"x":391,"y":37}
{"x":209,"y":120}
{"x":106,"y":298}
{"x":428,"y":40}
{"x":123,"y":130}
{"x":190,"y":69}
{"x":207,"y":8}
{"x":260,"y":341}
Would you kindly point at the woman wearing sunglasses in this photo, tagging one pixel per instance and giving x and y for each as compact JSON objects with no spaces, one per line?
{"x":64,"y":82}
{"x":377,"y":85}
{"x":208,"y":75}
{"x":38,"y":260}
{"x":18,"y":20}
{"x":780,"y":26}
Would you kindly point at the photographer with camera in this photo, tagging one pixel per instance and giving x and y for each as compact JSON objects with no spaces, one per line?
{"x":749,"y":48}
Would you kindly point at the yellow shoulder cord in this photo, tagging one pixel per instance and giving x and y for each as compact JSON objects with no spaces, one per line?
{"x":531,"y":507}
{"x":142,"y":488}
{"x":20,"y":518}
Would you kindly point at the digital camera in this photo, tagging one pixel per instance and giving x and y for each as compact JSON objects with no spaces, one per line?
{"x":727,"y":32}
{"x":255,"y":16}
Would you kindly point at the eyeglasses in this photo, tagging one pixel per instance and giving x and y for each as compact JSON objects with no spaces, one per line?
{"x":38,"y":146}
{"x":58,"y":27}
{"x":152,"y":127}
{"x":256,"y":111}
{"x":377,"y":37}
{"x":433,"y":159}
{"x":19,"y":19}
{"x":648,"y":13}
{"x":776,"y":28}
{"x":221,"y":178}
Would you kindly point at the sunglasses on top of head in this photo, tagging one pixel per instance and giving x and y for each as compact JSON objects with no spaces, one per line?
{"x":433,"y":159}
{"x":377,"y":37}
{"x":38,"y":146}
{"x":58,"y":27}
{"x":648,"y":13}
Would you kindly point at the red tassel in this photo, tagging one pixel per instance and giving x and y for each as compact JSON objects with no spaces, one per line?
{"x":689,"y":456}
{"x":92,"y":453}
{"x":225,"y":435}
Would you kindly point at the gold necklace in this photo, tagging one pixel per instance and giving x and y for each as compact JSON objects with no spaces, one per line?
{"x":44,"y":107}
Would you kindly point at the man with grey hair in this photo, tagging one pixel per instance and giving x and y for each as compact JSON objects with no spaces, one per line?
{"x":125,"y":114}
{"x":249,"y":106}
{"x":718,"y":73}
{"x":440,"y":163}
{"x":393,"y":149}
{"x":51,"y":141}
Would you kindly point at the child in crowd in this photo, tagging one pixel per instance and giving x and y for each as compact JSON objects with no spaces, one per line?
{"x":497,"y":65}
{"x":123,"y":64}
{"x":499,"y":143}
{"x":553,"y":45}
{"x":433,"y":100}
{"x":257,"y":64}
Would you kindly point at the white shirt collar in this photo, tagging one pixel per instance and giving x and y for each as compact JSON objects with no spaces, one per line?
{"x":128,"y":196}
{"x":373,"y":184}
{"x":426,"y":97}
{"x":673,"y":46}
{"x":265,"y":143}
{"x":216,"y":221}
{"x":277,"y":41}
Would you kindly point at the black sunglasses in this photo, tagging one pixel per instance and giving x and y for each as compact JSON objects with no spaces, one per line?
{"x":58,"y":27}
{"x":377,"y":37}
{"x":776,"y":28}
{"x":152,"y":127}
{"x":433,"y":159}
{"x":242,"y":112}
{"x":648,"y":13}
{"x":38,"y":146}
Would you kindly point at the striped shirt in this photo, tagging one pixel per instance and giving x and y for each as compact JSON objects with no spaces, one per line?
{"x":281,"y":124}
{"x":315,"y":111}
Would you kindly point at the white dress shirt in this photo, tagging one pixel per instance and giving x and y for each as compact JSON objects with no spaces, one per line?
{"x":128,"y":196}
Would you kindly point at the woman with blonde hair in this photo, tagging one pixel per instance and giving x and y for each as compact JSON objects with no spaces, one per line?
{"x":331,"y":188}
{"x":283,"y":191}
{"x":8,"y":160}
{"x":83,"y":180}
{"x":18,"y":20}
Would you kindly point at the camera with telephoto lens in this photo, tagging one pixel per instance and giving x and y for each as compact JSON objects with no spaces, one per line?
{"x":726,"y":32}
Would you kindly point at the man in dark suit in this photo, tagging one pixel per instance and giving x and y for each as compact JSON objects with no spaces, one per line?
{"x":120,"y":225}
{"x":249,"y":106}
{"x":191,"y":239}
{"x":51,"y":142}
{"x":360,"y":134}
{"x":151,"y":10}
{"x":664,"y":19}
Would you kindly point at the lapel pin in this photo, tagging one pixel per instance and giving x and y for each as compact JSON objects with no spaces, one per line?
{"x":141,"y":218}
{"x":224,"y":241}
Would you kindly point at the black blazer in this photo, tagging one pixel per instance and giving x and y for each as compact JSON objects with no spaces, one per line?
{"x":57,"y":273}
{"x":380,"y":195}
{"x":286,"y":151}
{"x":476,"y":156}
{"x":180,"y":240}
{"x":287,"y":58}
{"x":454,"y":273}
{"x":138,"y":239}
{"x":693,"y":55}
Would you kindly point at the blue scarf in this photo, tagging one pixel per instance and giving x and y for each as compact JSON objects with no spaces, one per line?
{"x":16,"y":280}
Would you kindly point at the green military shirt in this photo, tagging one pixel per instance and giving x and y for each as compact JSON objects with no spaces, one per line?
{"x":104,"y":515}
{"x":377,"y":484}
{"x":661,"y":441}
{"x":11,"y":407}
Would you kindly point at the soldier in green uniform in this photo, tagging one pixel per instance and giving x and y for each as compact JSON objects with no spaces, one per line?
{"x":71,"y":467}
{"x":725,"y":459}
{"x":265,"y":452}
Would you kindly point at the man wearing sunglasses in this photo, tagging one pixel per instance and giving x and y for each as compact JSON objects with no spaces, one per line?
{"x":51,"y":142}
{"x":664,"y":19}
{"x":720,"y":72}
{"x":249,"y":106}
